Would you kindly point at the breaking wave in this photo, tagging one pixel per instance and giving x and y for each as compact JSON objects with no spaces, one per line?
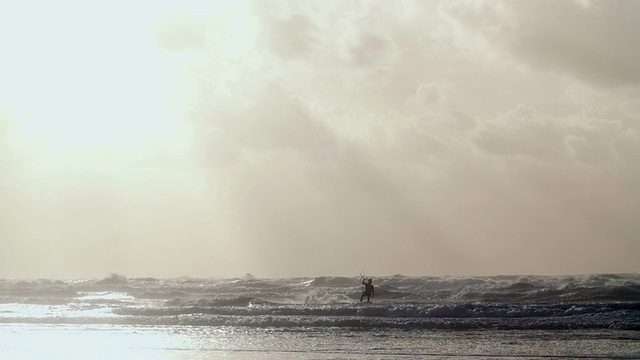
{"x":498,"y":302}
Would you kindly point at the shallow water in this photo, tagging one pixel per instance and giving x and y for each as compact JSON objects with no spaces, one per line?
{"x":519,"y":317}
{"x":29,"y":341}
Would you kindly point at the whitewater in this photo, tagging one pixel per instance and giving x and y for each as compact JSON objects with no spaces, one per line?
{"x":586,"y":316}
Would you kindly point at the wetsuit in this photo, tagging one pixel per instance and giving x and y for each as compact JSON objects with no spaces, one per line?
{"x":368,"y":290}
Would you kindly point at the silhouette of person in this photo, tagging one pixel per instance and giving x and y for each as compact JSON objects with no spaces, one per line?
{"x":368,"y":289}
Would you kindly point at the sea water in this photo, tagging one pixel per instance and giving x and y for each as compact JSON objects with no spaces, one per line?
{"x":589,"y":317}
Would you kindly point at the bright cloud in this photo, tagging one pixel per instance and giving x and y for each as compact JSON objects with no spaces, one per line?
{"x":320,"y":137}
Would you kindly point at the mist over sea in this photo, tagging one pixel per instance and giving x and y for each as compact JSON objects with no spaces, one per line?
{"x":255,"y":317}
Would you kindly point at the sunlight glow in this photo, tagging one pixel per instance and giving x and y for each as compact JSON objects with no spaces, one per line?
{"x":85,"y":87}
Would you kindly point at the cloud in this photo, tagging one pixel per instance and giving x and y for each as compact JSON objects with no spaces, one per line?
{"x":290,"y":37}
{"x":269,"y":119}
{"x":578,"y":169}
{"x":594,"y":43}
{"x":392,"y":134}
{"x":584,"y":138}
{"x":351,"y":135}
{"x":431,"y":98}
{"x":7,"y":189}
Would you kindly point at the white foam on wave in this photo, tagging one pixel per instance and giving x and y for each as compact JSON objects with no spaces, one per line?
{"x":106,"y":296}
{"x":598,"y":301}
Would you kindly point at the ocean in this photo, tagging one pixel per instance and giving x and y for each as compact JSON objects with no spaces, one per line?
{"x":431,"y":317}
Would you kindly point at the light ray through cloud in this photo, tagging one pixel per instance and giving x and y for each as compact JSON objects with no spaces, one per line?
{"x":289,"y":138}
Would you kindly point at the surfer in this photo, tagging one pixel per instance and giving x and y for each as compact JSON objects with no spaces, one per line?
{"x":368,"y":289}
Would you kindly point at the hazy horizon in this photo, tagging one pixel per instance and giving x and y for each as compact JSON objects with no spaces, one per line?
{"x":124,"y":278}
{"x":309,"y":138}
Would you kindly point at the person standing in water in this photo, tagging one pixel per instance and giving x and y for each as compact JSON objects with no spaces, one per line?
{"x":368,"y":289}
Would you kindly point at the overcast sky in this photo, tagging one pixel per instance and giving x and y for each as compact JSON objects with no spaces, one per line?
{"x":304,"y":138}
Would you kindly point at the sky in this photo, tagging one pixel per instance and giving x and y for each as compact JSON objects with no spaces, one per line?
{"x":307,"y":138}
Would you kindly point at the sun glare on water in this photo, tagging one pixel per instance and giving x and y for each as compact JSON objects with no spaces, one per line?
{"x":95,"y":342}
